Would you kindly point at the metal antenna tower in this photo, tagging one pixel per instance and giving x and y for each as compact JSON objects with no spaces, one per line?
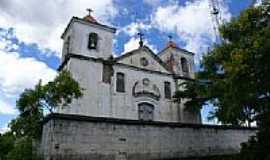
{"x":216,"y":18}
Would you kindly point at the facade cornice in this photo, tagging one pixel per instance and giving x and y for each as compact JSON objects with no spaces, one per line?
{"x":114,"y":62}
{"x":98,"y":25}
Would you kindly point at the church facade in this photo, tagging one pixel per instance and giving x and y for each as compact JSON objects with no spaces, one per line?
{"x":138,"y":85}
{"x":127,"y":110}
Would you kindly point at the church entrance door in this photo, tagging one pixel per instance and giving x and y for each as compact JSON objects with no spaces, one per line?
{"x":146,"y":112}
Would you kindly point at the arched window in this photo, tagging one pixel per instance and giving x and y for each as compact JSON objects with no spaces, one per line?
{"x":92,"y":41}
{"x":146,"y":111}
{"x":120,"y":82}
{"x":184,"y":65}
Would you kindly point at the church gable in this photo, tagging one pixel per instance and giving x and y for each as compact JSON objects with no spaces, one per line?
{"x":143,"y":58}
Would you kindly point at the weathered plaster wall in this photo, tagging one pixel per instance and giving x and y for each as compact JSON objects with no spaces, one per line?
{"x":77,"y":137}
{"x":127,"y":104}
{"x":101,"y":99}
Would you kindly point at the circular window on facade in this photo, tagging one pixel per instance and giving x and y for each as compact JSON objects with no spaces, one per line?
{"x":144,"y":61}
{"x":146,"y":81}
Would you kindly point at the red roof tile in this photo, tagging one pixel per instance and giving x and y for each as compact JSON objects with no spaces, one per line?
{"x":91,"y":19}
{"x":171,"y":44}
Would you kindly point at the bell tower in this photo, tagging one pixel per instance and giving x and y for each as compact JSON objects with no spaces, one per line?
{"x":87,"y":37}
{"x":179,"y":61}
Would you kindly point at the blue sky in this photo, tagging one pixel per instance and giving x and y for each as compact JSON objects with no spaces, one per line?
{"x":30,"y":44}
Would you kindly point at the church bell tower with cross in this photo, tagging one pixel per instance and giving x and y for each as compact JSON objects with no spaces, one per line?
{"x":88,"y":37}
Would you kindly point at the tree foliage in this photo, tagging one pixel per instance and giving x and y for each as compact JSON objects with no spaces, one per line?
{"x":235,"y":78}
{"x":33,"y":104}
{"x":6,"y":144}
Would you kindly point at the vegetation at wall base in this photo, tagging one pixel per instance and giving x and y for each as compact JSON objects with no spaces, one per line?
{"x":20,"y":143}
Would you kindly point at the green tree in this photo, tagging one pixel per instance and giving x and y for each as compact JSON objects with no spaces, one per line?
{"x":6,"y":144}
{"x":23,"y":150}
{"x":33,"y":104}
{"x":235,"y":78}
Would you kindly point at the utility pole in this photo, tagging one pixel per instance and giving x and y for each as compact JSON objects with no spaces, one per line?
{"x":216,"y":18}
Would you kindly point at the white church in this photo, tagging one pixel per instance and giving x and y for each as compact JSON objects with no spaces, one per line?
{"x":138,"y":85}
{"x":127,"y":111}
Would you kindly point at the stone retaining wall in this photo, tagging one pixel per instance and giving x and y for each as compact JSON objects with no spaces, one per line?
{"x":80,"y":137}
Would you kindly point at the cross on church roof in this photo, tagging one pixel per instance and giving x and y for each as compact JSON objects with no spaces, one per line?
{"x":90,"y":18}
{"x":171,"y":43}
{"x":170,"y":37}
{"x":141,"y":38}
{"x":89,"y":10}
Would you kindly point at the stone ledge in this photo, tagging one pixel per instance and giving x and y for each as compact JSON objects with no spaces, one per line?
{"x":73,"y":117}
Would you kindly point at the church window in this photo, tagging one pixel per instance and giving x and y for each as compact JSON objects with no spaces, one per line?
{"x":167,"y":90}
{"x":120,"y":82}
{"x":184,"y":65}
{"x":92,"y":41}
{"x":146,"y":112}
{"x":146,"y":82}
{"x":144,"y":62}
{"x":107,"y":73}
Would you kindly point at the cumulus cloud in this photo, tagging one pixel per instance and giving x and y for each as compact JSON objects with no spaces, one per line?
{"x":191,"y":22}
{"x":42,"y":22}
{"x":18,"y":73}
{"x":5,"y":41}
{"x":6,"y":108}
{"x":134,"y":28}
{"x":133,"y":43}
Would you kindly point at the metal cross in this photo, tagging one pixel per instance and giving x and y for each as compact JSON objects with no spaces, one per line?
{"x":141,"y":38}
{"x":89,"y":10}
{"x":170,"y":37}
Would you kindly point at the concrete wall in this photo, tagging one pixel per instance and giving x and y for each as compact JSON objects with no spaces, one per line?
{"x":79,"y":137}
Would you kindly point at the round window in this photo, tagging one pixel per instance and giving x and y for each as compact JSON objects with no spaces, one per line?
{"x":146,"y":81}
{"x":144,"y":61}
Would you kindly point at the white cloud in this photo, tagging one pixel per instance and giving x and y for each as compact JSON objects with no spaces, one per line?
{"x":42,"y":22}
{"x":133,"y":43}
{"x":18,"y":73}
{"x":6,"y":108}
{"x":134,"y":28}
{"x":5,"y":42}
{"x":257,"y":2}
{"x":191,"y":22}
{"x":4,"y":129}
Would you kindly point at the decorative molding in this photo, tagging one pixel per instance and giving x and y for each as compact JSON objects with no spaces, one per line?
{"x":145,"y":88}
